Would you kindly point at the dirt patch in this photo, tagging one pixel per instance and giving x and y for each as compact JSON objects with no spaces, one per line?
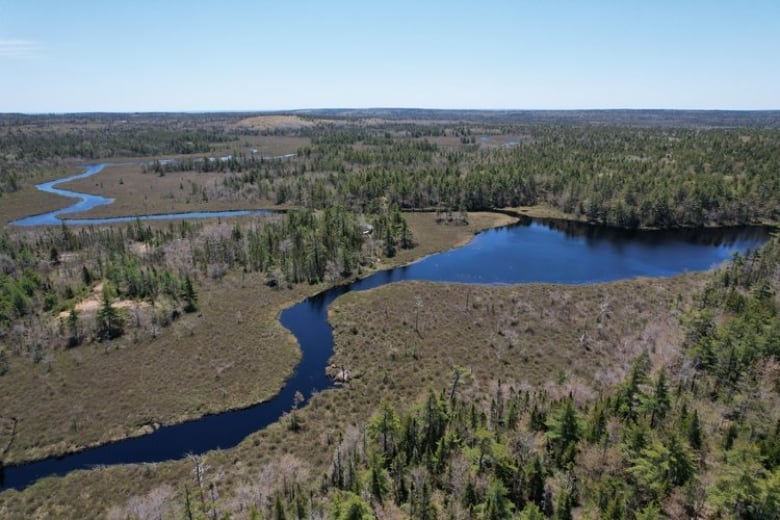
{"x":92,"y":303}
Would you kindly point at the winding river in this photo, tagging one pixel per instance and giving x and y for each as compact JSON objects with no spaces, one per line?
{"x":86,"y":202}
{"x":529,"y":251}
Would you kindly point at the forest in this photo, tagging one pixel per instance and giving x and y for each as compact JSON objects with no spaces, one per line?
{"x":617,"y":176}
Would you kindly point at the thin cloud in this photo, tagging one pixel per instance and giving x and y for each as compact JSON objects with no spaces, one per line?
{"x":15,"y":48}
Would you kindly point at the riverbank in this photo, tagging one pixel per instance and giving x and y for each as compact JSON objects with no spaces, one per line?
{"x":135,"y":192}
{"x":232,"y":354}
{"x":548,"y":212}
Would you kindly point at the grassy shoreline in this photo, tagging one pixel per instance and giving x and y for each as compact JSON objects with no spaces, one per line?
{"x":69,"y":369}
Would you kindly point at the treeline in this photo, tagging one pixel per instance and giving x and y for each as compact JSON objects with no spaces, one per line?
{"x":305,"y":246}
{"x":86,"y":143}
{"x":235,"y":163}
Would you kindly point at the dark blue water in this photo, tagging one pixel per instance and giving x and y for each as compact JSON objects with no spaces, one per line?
{"x":86,"y":202}
{"x":530,"y":251}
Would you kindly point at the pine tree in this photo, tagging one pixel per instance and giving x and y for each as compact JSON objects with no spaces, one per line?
{"x":694,"y":432}
{"x":73,"y":327}
{"x":389,"y":242}
{"x":658,"y":404}
{"x":386,"y":428}
{"x":532,"y":512}
{"x":496,"y":506}
{"x":563,"y":432}
{"x":536,"y":478}
{"x":349,"y":506}
{"x":279,"y":512}
{"x":378,"y":478}
{"x":190,"y":297}
{"x":563,"y":506}
{"x":110,"y":321}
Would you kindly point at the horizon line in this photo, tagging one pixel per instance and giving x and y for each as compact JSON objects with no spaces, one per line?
{"x":378,"y":108}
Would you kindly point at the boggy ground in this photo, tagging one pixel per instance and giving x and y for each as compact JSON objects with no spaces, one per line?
{"x":230,"y":354}
{"x":575,"y":339}
{"x":136,"y":192}
{"x":566,"y":339}
{"x":402,"y":338}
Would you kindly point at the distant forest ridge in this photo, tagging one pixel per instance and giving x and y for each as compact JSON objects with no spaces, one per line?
{"x":616,"y":117}
{"x":631,"y":117}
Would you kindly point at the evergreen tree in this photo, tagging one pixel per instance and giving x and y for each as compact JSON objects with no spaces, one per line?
{"x":563,"y":432}
{"x":279,"y":512}
{"x":110,"y":323}
{"x":532,"y":512}
{"x":536,"y":480}
{"x":73,"y":328}
{"x":190,"y":297}
{"x":385,"y":428}
{"x":694,"y":432}
{"x":349,"y":506}
{"x":496,"y":506}
{"x":658,"y":404}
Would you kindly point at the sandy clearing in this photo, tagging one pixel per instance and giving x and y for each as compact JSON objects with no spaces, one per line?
{"x":92,"y":303}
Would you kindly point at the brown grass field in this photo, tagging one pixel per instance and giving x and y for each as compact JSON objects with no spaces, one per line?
{"x":545,"y":212}
{"x":231,"y":354}
{"x":273,"y":122}
{"x":28,"y":200}
{"x":135,"y":192}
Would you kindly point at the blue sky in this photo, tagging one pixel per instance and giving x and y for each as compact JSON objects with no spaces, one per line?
{"x":78,"y":55}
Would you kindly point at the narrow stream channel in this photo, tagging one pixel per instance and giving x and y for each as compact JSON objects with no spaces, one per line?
{"x":527,"y":252}
{"x":87,"y":202}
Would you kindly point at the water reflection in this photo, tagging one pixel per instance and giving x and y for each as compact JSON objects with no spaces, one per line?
{"x":720,"y":236}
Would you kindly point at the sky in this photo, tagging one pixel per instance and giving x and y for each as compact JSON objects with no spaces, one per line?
{"x":175,"y":55}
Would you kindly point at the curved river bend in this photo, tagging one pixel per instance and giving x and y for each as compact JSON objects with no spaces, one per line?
{"x":86,"y":202}
{"x":530,"y":251}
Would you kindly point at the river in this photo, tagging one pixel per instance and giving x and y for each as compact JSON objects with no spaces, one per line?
{"x":527,"y":252}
